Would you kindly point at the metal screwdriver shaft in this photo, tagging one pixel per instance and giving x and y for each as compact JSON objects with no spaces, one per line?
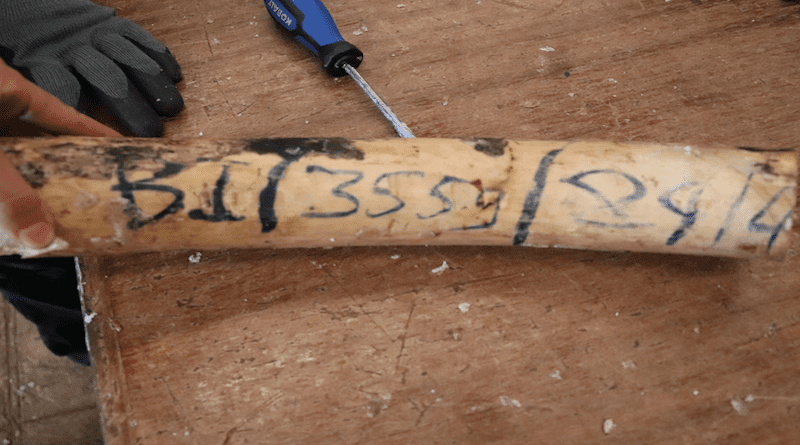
{"x":401,"y":128}
{"x":312,"y":25}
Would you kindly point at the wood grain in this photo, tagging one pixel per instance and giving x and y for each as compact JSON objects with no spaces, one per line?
{"x":307,"y":345}
{"x":114,"y":196}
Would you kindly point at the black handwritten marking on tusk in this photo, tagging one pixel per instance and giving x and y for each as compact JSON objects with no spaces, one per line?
{"x":766,"y":150}
{"x":436,"y":192}
{"x":638,"y":189}
{"x":757,"y":226}
{"x":479,"y":203}
{"x":688,"y":218}
{"x":490,"y":146}
{"x":266,"y":207}
{"x":220,"y":213}
{"x":382,"y":191}
{"x":534,"y":197}
{"x":126,"y":188}
{"x":337,"y":191}
{"x":291,"y":150}
{"x":296,"y":148}
{"x":733,"y":210}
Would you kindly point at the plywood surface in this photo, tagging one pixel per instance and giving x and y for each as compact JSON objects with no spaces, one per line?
{"x":504,"y":345}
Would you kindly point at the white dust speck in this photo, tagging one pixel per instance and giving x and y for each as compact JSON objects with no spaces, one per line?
{"x":608,"y":425}
{"x":195,"y":258}
{"x":395,"y":257}
{"x":6,"y":442}
{"x":441,"y":268}
{"x":696,"y":392}
{"x":508,"y":401}
{"x":360,"y":31}
{"x":628,"y":364}
{"x":89,"y":317}
{"x":739,"y":406}
{"x":463,"y":307}
{"x":333,"y":240}
{"x":547,"y":49}
{"x":556,"y":375}
{"x":201,"y":133}
{"x":21,"y":390}
{"x":401,"y":5}
{"x":749,"y":398}
{"x":612,"y":80}
{"x":215,"y":41}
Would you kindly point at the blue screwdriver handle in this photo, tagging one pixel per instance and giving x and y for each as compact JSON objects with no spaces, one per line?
{"x":312,"y":25}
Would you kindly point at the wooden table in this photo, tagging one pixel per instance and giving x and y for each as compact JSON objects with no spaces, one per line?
{"x":505,"y":345}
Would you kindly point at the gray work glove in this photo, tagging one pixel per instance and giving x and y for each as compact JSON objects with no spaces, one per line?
{"x":79,"y":51}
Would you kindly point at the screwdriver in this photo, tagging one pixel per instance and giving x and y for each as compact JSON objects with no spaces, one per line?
{"x":312,"y":25}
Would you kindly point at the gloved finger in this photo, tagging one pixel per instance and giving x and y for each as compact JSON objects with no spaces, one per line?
{"x":56,"y":80}
{"x":166,"y":60}
{"x":23,"y":215}
{"x":111,"y":87}
{"x":21,"y":98}
{"x":150,"y":46}
{"x":144,"y":72}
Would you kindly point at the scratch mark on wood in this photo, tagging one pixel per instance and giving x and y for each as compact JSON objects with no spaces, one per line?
{"x":169,"y":390}
{"x":360,"y":306}
{"x":402,"y":339}
{"x":421,"y":411}
{"x":249,"y":417}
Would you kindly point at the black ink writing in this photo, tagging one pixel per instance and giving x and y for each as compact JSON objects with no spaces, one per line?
{"x":436,"y":192}
{"x":382,"y":191}
{"x":533,"y":198}
{"x":480,"y":202}
{"x":615,"y":206}
{"x":338,"y":191}
{"x":266,"y":199}
{"x":774,"y":230}
{"x":220,"y":213}
{"x":688,"y":217}
{"x":137,"y":218}
{"x":733,"y":209}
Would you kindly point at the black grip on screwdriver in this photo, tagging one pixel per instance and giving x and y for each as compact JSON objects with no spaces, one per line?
{"x":310,"y":23}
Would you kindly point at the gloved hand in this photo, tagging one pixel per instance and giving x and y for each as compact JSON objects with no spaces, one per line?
{"x":77,"y":50}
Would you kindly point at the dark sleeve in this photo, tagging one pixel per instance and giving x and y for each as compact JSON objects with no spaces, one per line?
{"x":45,"y":291}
